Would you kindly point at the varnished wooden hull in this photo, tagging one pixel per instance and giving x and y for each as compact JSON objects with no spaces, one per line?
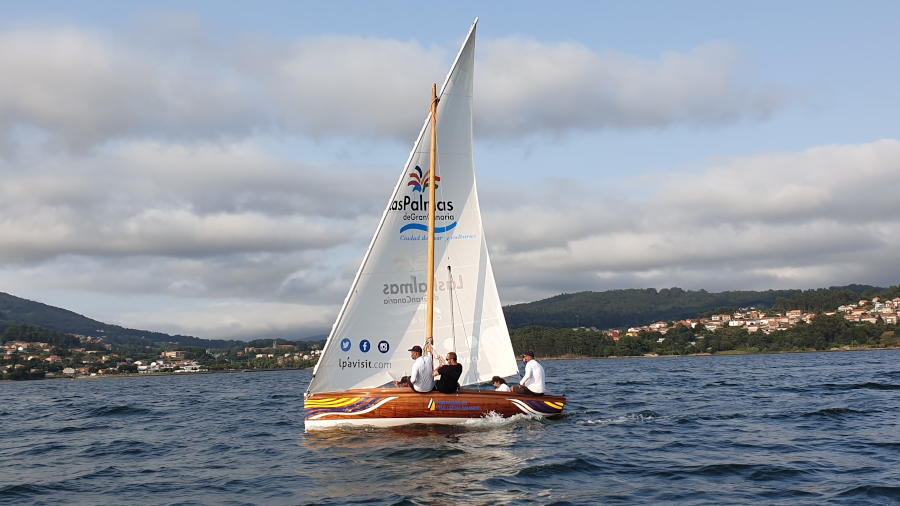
{"x":386,"y":407}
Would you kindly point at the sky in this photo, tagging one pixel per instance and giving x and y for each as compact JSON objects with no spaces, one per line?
{"x":218,"y":169}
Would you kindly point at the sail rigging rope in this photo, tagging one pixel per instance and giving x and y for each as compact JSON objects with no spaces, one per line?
{"x":452,"y":320}
{"x":449,"y":247}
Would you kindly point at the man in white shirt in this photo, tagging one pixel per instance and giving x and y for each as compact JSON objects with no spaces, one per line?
{"x":422,"y":378}
{"x":533,"y":380}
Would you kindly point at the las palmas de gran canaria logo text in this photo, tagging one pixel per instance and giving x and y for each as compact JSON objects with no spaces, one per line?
{"x":416,"y":209}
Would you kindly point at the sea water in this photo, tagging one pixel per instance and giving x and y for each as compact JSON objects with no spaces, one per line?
{"x":767,"y":429}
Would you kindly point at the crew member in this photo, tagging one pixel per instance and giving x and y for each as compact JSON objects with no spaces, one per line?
{"x":533,"y":381}
{"x":450,"y":373}
{"x":500,"y":384}
{"x":421,"y":379}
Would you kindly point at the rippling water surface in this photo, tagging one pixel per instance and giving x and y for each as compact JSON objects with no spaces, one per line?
{"x":768,"y":429}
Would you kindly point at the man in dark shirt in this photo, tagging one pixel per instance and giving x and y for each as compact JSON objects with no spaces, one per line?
{"x":450,"y":373}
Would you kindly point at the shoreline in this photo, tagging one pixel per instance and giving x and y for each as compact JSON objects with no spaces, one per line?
{"x":729,"y":353}
{"x":156,"y":374}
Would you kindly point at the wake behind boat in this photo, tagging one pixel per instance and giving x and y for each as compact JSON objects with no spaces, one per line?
{"x":432,"y":224}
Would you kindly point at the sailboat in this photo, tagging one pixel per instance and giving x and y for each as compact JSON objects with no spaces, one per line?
{"x":426,"y":279}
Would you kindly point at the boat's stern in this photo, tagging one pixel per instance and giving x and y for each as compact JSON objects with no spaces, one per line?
{"x":549,"y":407}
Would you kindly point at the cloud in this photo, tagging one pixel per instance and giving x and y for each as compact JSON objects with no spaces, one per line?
{"x":287,"y":295}
{"x":82,"y":89}
{"x":171,"y":200}
{"x":347,"y":86}
{"x":828,"y":215}
{"x":74,"y":89}
{"x":527,"y":87}
{"x":226,"y":318}
{"x":243,"y":320}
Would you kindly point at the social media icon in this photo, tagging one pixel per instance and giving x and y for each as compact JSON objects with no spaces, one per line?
{"x":345,"y":344}
{"x":383,"y":346}
{"x":364,"y":346}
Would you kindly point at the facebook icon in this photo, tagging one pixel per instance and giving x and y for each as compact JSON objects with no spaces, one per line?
{"x":364,"y":346}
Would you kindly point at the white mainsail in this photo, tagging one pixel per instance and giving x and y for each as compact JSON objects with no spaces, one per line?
{"x":384,"y":313}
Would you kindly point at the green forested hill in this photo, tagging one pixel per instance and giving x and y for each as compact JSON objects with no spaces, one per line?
{"x":625,"y":308}
{"x":16,"y":311}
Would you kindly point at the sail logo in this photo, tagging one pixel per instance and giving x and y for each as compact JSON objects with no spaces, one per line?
{"x":421,"y":181}
{"x":408,"y":203}
{"x":424,"y":228}
{"x":415,"y":207}
{"x":411,"y":263}
{"x":415,"y":286}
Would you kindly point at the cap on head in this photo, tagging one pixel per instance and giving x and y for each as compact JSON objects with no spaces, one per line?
{"x":528,"y":353}
{"x":417,"y":349}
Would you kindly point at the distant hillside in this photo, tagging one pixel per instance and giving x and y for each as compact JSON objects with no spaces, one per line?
{"x":16,"y":311}
{"x":625,"y":308}
{"x":609,"y":309}
{"x":317,"y":337}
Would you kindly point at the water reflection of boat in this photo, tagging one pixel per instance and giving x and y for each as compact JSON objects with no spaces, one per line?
{"x":467,"y":456}
{"x":393,"y":302}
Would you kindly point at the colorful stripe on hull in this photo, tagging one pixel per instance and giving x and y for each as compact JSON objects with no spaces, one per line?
{"x":530,"y":407}
{"x":319,"y":408}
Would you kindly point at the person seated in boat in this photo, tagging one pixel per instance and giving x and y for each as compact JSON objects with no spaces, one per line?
{"x":403,"y":383}
{"x":421,"y":379}
{"x":449,"y":373}
{"x":500,"y":384}
{"x":532,"y":382}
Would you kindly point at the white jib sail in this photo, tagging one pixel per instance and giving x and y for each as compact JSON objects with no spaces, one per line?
{"x":384,"y":313}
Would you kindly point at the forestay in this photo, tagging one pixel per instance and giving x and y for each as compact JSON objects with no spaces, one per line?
{"x":384,"y":313}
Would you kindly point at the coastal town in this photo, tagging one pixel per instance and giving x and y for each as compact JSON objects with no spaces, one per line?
{"x":758,"y":320}
{"x":92,"y":357}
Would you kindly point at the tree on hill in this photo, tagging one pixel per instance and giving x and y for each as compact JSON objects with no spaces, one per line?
{"x":823,"y":333}
{"x":637,"y":307}
{"x":625,"y":308}
{"x":32,"y":334}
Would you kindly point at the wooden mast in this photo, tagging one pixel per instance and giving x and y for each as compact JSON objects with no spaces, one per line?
{"x":432,"y":178}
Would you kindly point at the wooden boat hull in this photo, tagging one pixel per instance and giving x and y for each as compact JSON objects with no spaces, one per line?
{"x":388,"y":407}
